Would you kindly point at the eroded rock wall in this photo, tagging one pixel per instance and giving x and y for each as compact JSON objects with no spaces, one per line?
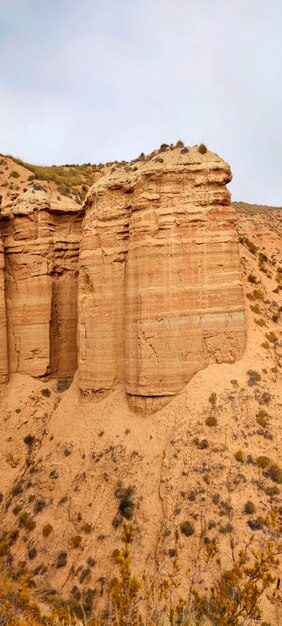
{"x":41,"y":251}
{"x":160,"y":293}
{"x":3,"y":322}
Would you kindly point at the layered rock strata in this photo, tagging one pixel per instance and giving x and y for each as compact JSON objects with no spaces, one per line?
{"x":41,"y":250}
{"x":160,"y":292}
{"x":3,"y":323}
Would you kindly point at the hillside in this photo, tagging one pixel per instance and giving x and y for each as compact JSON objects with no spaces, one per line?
{"x":208,"y":464}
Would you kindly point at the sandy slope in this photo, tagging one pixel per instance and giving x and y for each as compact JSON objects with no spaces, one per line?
{"x":82,"y":450}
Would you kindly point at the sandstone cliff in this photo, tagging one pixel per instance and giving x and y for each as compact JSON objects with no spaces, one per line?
{"x":160,"y":292}
{"x":3,"y":323}
{"x":41,"y":247}
{"x":159,"y":289}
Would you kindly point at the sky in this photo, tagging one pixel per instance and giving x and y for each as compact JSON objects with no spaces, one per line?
{"x":103,"y":80}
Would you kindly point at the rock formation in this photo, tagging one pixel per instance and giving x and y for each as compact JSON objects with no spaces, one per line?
{"x":3,"y":324}
{"x":159,"y":289}
{"x":160,"y":293}
{"x":41,"y":249}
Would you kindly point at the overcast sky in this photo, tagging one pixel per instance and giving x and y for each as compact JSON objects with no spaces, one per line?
{"x":100,"y":80}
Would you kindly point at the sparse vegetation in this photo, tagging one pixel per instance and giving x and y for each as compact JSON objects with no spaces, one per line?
{"x":249,"y":508}
{"x":211,"y":420}
{"x":239,"y":456}
{"x":46,"y":530}
{"x":263,"y":461}
{"x":254,"y":378}
{"x":26,"y":521}
{"x":187,"y":528}
{"x":202,"y":148}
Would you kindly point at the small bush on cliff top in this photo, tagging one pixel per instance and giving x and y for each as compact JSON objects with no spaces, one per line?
{"x":202,"y":148}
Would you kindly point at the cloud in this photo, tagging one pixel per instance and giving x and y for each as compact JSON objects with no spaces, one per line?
{"x":97,"y":81}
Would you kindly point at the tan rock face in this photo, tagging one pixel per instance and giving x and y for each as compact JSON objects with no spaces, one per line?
{"x":3,"y":323}
{"x":160,"y":293}
{"x":41,"y":250}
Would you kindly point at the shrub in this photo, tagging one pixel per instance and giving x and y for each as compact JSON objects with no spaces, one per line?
{"x":46,"y":392}
{"x":32,"y":553}
{"x":126,"y":504}
{"x":29,"y":441}
{"x":212,"y":399}
{"x":180,"y":144}
{"x":250,"y":245}
{"x":14,"y":174}
{"x":262,"y":461}
{"x":211,"y":420}
{"x":258,"y":294}
{"x":75,"y":541}
{"x":202,"y":148}
{"x":46,"y":530}
{"x":265,"y":398}
{"x":254,"y":377}
{"x":62,"y":559}
{"x":187,"y":528}
{"x":87,"y":528}
{"x":261,"y":418}
{"x":252,"y":279}
{"x":249,"y":507}
{"x":202,"y":445}
{"x":255,"y":308}
{"x":39,"y":506}
{"x":275,"y":473}
{"x":239,"y":456}
{"x":27,"y":522}
{"x":256,"y":524}
{"x":4,"y":547}
{"x":260,"y":322}
{"x":272,"y":337}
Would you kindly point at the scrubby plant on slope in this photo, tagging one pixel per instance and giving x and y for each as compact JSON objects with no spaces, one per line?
{"x":233,"y":599}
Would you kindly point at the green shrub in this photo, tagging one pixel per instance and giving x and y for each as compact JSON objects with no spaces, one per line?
{"x":260,"y":322}
{"x":26,"y":521}
{"x":62,"y":559}
{"x":239,"y":456}
{"x":4,"y":547}
{"x":46,"y":530}
{"x":275,"y":473}
{"x":75,"y":541}
{"x":254,"y":377}
{"x":261,"y":418}
{"x":252,"y":279}
{"x":187,"y":528}
{"x":46,"y":392}
{"x":249,"y":507}
{"x":202,"y":148}
{"x":262,"y":461}
{"x":211,"y":420}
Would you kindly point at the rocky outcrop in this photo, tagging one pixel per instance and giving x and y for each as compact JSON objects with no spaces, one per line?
{"x":160,"y":293}
{"x":41,"y":249}
{"x":3,"y":323}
